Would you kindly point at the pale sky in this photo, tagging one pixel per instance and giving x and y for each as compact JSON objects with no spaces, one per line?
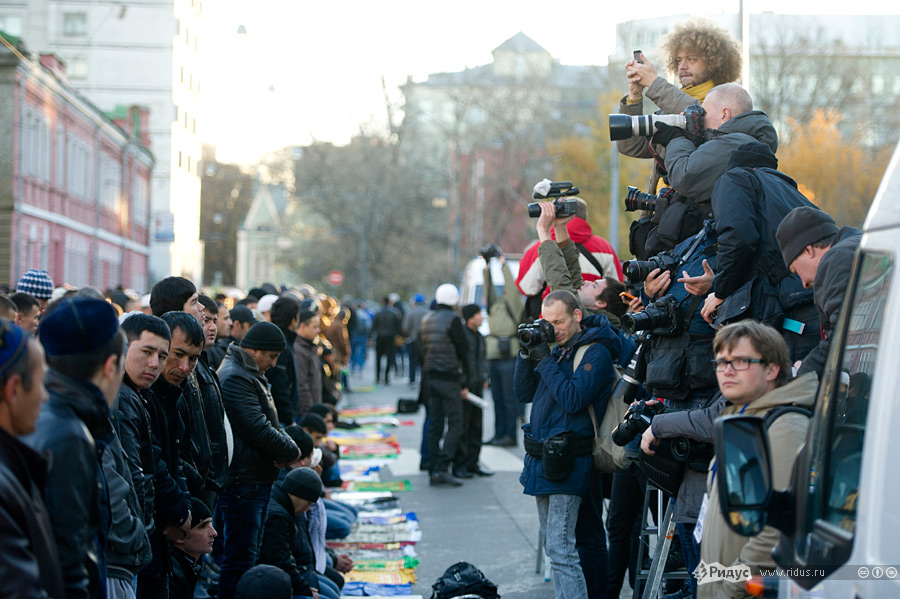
{"x":325,"y":60}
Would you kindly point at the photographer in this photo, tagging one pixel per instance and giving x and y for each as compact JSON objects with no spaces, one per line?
{"x":751,"y":279}
{"x":559,"y":260}
{"x":558,"y":468}
{"x":679,"y":356}
{"x":702,"y":55}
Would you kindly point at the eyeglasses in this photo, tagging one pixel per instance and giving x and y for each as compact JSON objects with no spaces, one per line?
{"x":737,"y":363}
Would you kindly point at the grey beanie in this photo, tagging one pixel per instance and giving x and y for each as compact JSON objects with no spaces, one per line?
{"x":303,"y":483}
{"x":802,"y":227}
{"x":264,"y":336}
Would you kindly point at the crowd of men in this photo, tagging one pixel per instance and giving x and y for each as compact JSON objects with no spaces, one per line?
{"x":741,"y":286}
{"x":167,"y":449}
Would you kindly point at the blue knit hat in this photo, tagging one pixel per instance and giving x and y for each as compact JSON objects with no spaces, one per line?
{"x":36,"y":282}
{"x":13,"y":342}
{"x":77,"y":325}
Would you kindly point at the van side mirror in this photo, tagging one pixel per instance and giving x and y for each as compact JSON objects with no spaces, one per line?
{"x":744,"y":473}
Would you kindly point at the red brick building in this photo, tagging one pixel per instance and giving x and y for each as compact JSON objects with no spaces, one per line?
{"x":74,"y":184}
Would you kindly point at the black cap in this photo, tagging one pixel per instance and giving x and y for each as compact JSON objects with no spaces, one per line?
{"x":264,"y":582}
{"x":78,"y":325}
{"x":242,"y":314}
{"x":264,"y":336}
{"x":303,"y":483}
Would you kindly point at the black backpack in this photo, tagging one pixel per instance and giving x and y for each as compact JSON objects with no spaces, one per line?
{"x":463,"y":579}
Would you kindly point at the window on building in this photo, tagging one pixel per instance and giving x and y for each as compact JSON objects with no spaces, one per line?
{"x":140,"y":201}
{"x":75,"y":24}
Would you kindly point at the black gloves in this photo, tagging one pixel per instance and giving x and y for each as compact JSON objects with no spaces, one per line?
{"x":538,"y":353}
{"x":666,"y":133}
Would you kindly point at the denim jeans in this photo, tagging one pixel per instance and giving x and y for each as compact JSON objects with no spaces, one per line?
{"x":691,"y":549}
{"x":340,"y":519}
{"x":558,"y":515}
{"x":505,"y":404}
{"x":358,"y":346}
{"x":243,"y":509}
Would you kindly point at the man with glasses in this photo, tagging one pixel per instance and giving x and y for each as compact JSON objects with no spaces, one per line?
{"x":752,"y":366}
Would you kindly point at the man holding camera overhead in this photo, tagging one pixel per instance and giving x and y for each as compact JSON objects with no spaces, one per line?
{"x":558,"y":440}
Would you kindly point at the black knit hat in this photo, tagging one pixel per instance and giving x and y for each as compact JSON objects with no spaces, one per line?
{"x":303,"y":483}
{"x":802,"y":227}
{"x":199,"y":512}
{"x":264,"y":336}
{"x":264,"y":582}
{"x":470,"y":310}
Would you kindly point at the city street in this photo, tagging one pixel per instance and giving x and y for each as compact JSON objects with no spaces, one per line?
{"x":487,"y":522}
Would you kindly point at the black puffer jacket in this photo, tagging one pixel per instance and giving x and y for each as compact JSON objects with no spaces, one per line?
{"x":214,"y":410}
{"x":443,"y":344}
{"x":29,"y":564}
{"x":73,"y":431}
{"x":259,"y":441}
{"x":280,"y":537}
{"x":749,"y":202}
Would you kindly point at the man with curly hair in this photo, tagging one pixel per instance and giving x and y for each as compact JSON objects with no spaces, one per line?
{"x":701,"y":53}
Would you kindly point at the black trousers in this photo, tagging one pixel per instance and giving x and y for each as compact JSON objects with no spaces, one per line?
{"x":470,"y":445}
{"x":384,"y":347}
{"x":444,"y":408}
{"x":623,"y":525}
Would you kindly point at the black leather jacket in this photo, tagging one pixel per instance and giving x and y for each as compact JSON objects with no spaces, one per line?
{"x":217,"y":352}
{"x":172,"y":500}
{"x":214,"y":409}
{"x":196,"y":454}
{"x":259,"y":441}
{"x":29,"y":564}
{"x":132,"y":422}
{"x":73,"y":431}
{"x":183,"y":575}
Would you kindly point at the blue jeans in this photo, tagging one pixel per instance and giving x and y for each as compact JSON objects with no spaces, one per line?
{"x":340,"y":519}
{"x":558,"y":515}
{"x":358,"y":351}
{"x":505,"y":404}
{"x":691,"y":550}
{"x":243,"y":509}
{"x":327,"y":588}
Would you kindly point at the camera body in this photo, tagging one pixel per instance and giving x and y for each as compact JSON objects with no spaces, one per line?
{"x":536,"y":333}
{"x":557,"y":190}
{"x":623,"y":126}
{"x":636,"y":271}
{"x":637,"y":419}
{"x":661,"y":318}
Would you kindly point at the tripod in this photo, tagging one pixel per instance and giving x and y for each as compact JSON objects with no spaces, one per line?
{"x":650,"y":581}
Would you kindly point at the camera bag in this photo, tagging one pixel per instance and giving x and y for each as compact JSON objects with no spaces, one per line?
{"x":463,"y":579}
{"x":607,"y":456}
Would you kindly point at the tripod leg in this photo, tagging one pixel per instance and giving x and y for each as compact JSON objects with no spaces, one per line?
{"x":651,"y":590}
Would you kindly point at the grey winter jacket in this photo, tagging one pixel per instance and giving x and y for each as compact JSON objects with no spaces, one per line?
{"x":670,"y":99}
{"x":698,"y":425}
{"x":693,"y":171}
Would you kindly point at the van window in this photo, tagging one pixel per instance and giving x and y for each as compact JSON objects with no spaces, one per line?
{"x":839,"y":433}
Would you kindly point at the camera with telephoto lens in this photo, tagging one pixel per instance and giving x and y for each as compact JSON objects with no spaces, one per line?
{"x":536,"y":333}
{"x":623,"y":126}
{"x":636,"y":271}
{"x":637,"y":420}
{"x":661,"y":318}
{"x":556,"y":190}
{"x":636,"y":199}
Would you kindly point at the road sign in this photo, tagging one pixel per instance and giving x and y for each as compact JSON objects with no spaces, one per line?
{"x":335,"y":277}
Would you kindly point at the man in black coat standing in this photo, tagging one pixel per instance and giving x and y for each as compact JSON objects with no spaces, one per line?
{"x":85,"y":353}
{"x":261,"y":447}
{"x":29,"y":564}
{"x":386,"y":326}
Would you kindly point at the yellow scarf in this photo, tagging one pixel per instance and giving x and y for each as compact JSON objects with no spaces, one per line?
{"x":698,"y":92}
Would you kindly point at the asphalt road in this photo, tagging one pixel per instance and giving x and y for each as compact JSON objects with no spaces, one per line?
{"x":487,"y":522}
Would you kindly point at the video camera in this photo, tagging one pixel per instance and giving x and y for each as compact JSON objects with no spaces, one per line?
{"x":661,"y":318}
{"x":557,"y":190}
{"x":636,"y":271}
{"x":536,"y":333}
{"x":623,"y":126}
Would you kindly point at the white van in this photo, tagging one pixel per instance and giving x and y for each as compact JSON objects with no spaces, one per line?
{"x":840,"y":520}
{"x":471,"y":291}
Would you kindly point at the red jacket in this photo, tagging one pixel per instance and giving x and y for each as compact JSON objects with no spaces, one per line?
{"x":530,"y":279}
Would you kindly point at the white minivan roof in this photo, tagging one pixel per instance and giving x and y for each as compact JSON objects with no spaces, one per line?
{"x":885,"y":210}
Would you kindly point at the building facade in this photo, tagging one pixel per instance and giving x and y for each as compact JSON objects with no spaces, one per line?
{"x":74,"y":186}
{"x":136,"y":53}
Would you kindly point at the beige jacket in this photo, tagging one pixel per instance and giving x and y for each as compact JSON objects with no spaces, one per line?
{"x":786,"y":437}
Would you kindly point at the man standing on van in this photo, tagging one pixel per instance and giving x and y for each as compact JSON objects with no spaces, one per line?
{"x":822,"y":256}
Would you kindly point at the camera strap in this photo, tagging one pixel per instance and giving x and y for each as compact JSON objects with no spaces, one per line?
{"x":590,"y":258}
